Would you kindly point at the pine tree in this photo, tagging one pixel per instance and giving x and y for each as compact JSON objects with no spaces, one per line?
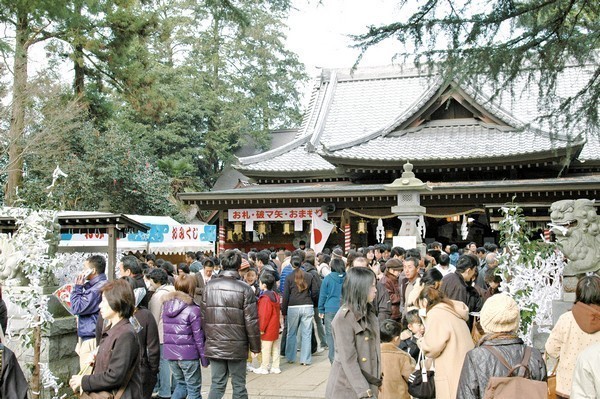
{"x":504,"y":42}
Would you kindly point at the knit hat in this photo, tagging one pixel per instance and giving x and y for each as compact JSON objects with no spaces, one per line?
{"x":500,"y":314}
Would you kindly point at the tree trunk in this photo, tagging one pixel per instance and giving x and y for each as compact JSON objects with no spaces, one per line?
{"x":36,"y":386}
{"x":17,"y":118}
{"x":78,"y":62}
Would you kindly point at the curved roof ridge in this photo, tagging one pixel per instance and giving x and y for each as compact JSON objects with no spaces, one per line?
{"x":263,"y":156}
{"x":324,"y":112}
{"x":411,"y":110}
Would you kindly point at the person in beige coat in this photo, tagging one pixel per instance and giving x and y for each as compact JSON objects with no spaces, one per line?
{"x":575,"y":331}
{"x":356,"y":369}
{"x":447,"y":338}
{"x":586,"y":377}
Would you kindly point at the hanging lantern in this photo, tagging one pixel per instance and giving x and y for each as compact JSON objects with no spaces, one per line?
{"x":229,"y":235}
{"x":287,"y":228}
{"x":389,"y":234}
{"x":362,"y":227}
{"x":238,"y":230}
{"x":261,"y":228}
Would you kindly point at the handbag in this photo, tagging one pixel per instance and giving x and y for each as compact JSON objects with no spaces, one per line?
{"x":107,"y":394}
{"x":552,"y":380}
{"x":421,"y":384}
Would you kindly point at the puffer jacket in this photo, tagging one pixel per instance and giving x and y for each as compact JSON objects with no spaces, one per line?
{"x":480,"y":364}
{"x":182,"y":323}
{"x":230,"y":317}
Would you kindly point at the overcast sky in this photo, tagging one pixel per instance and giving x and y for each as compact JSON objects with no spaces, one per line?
{"x":318,"y":32}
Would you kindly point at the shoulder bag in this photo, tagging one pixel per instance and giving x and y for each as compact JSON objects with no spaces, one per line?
{"x":421,"y":384}
{"x":107,"y":394}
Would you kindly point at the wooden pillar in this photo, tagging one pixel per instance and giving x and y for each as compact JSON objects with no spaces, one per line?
{"x":221,"y":248}
{"x":112,"y":252}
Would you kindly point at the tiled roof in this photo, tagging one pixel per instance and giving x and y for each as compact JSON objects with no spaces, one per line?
{"x":297,"y":159}
{"x":364,"y":108}
{"x":440,"y":140}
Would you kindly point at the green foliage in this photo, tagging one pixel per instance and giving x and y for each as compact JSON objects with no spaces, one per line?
{"x":504,"y":41}
{"x":166,"y":91}
{"x":103,"y":166}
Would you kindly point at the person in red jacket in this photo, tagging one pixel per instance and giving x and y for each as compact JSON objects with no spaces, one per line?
{"x":269,"y":311}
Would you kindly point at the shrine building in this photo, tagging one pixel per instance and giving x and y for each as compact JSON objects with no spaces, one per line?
{"x":360,"y":128}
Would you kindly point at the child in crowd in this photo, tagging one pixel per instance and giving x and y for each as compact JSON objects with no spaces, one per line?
{"x":269,"y":310}
{"x":396,"y":365}
{"x":493,"y":281}
{"x":413,"y":330}
{"x":251,"y":278}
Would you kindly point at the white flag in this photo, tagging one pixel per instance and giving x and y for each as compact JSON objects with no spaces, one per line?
{"x":320,"y":233}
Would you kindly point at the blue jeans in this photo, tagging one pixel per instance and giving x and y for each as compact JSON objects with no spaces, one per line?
{"x":188,"y":379}
{"x":299,"y":322}
{"x":164,"y":376}
{"x":328,"y":335}
{"x":220,"y":371}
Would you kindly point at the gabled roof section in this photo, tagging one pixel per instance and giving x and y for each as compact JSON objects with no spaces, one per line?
{"x":374,"y":109}
{"x":437,"y":96}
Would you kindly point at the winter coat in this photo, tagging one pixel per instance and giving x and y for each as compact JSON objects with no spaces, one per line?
{"x":382,"y":303}
{"x":199,"y":287}
{"x":330,"y":294}
{"x":357,"y":350}
{"x":447,"y":340}
{"x":454,"y":287}
{"x":480,"y":365}
{"x":183,"y":334}
{"x":269,"y":311}
{"x":230,"y":318}
{"x":85,"y":304}
{"x":586,"y":377}
{"x":118,"y":355}
{"x":574,"y":331}
{"x":284,"y":273}
{"x":156,"y":306}
{"x":396,"y":366}
{"x":148,"y":339}
{"x":312,"y":270}
{"x":410,"y":346}
{"x":390,"y":283}
{"x":293,"y":297}
{"x":14,"y":385}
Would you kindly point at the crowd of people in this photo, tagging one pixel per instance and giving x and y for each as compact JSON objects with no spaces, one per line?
{"x":377,"y":311}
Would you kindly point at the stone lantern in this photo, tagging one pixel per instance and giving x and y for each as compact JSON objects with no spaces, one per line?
{"x":409,"y":209}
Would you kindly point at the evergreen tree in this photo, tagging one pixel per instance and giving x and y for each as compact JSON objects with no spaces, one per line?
{"x":504,"y":42}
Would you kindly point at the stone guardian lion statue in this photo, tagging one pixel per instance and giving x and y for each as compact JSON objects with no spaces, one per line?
{"x":576,"y":226}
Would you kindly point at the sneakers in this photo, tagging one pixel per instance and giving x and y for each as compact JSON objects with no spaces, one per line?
{"x":249,"y":367}
{"x":320,"y":350}
{"x":260,"y":370}
{"x":275,"y":371}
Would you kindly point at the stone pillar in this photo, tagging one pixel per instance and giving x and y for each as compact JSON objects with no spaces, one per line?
{"x":58,"y":341}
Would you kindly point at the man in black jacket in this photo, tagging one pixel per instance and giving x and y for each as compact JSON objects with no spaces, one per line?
{"x":230,"y":321}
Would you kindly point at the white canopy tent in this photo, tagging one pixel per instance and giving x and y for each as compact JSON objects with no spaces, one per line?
{"x":166,"y":236}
